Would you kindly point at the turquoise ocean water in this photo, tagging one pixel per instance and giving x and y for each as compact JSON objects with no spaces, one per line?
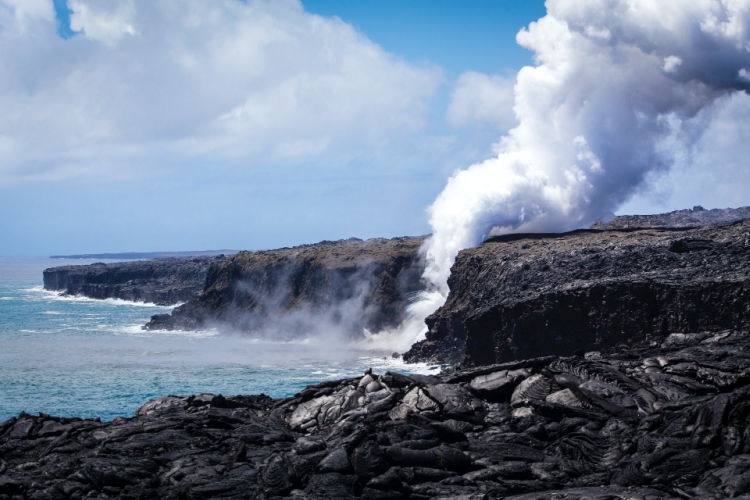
{"x":73,"y":356}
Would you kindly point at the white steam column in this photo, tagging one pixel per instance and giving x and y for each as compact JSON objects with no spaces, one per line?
{"x":620,"y":88}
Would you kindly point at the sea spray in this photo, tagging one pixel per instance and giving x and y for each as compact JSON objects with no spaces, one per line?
{"x":91,"y":358}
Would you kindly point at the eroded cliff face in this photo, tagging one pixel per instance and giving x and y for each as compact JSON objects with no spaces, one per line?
{"x":161,"y":281}
{"x":520,"y":296}
{"x":345,"y":285}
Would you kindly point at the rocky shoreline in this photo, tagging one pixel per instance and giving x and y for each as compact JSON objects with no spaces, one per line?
{"x":667,"y":419}
{"x":611,"y":362}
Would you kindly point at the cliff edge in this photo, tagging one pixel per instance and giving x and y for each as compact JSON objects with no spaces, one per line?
{"x":161,"y":281}
{"x":344,"y":286}
{"x":524,"y":295}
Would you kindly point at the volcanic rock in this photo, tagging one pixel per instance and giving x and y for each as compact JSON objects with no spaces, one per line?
{"x":527,"y":295}
{"x":348,"y":285}
{"x":668,"y":419}
{"x":695,"y":217}
{"x":160,"y":281}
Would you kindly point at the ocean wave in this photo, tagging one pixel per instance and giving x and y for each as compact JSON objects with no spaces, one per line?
{"x":139,"y":331}
{"x":266,"y":341}
{"x":398,"y":364}
{"x":41,"y":292}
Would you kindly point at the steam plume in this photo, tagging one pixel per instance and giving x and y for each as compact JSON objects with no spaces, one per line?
{"x":620,"y":88}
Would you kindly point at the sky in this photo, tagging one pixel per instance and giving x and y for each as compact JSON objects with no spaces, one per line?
{"x":134,"y":125}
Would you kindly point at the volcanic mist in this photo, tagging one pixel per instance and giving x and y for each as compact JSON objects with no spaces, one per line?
{"x":619,"y":90}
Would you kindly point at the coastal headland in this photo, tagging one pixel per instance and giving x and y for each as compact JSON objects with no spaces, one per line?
{"x":611,"y":362}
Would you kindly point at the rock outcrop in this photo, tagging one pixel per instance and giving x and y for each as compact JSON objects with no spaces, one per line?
{"x":520,"y":296}
{"x":695,"y":217}
{"x":667,"y":419}
{"x":343,"y":285}
{"x":161,"y":281}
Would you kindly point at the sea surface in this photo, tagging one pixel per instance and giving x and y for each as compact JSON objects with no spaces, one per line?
{"x":80,"y":357}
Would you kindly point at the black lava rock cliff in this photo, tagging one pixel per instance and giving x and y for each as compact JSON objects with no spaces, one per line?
{"x":346,"y":285}
{"x":667,"y":419}
{"x":161,"y":281}
{"x":519,"y":296}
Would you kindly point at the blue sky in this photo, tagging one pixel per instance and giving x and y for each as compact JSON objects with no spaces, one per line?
{"x":459,"y":36}
{"x":252,"y":201}
{"x":141,"y":126}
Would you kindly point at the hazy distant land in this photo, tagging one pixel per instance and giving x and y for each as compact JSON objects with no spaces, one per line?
{"x":146,"y":255}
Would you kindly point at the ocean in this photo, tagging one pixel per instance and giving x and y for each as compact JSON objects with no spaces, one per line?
{"x":81,"y":357}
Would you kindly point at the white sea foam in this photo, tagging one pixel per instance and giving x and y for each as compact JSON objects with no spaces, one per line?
{"x":398,"y":364}
{"x":139,"y":331}
{"x":7,"y":298}
{"x":272,"y":342}
{"x":412,"y":329}
{"x":62,"y":296}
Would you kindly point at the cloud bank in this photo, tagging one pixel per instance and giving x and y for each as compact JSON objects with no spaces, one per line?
{"x":245,"y":82}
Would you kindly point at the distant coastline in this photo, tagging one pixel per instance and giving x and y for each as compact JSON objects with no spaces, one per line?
{"x":146,"y":255}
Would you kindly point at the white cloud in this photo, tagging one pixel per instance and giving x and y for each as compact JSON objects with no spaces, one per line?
{"x":145,"y":83}
{"x":671,"y":64}
{"x":19,"y":14}
{"x":480,"y":99}
{"x":105,"y":22}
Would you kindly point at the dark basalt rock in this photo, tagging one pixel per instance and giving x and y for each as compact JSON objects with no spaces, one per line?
{"x":348,"y":285}
{"x":667,"y":419}
{"x":522,"y":296}
{"x":161,"y":281}
{"x":695,"y":217}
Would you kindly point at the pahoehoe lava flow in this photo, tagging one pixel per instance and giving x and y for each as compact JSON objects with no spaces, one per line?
{"x":664,"y":419}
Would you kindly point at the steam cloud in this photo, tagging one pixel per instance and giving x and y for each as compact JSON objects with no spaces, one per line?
{"x":619,"y":88}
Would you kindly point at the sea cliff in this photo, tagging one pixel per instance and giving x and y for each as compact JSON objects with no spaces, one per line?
{"x":345,"y":285}
{"x":525,"y":295}
{"x":166,"y":281}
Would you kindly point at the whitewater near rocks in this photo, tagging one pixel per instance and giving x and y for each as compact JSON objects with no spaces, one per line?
{"x":167,"y":281}
{"x":661,"y":420}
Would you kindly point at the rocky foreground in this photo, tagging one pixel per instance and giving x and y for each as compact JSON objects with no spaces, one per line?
{"x":659,"y":420}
